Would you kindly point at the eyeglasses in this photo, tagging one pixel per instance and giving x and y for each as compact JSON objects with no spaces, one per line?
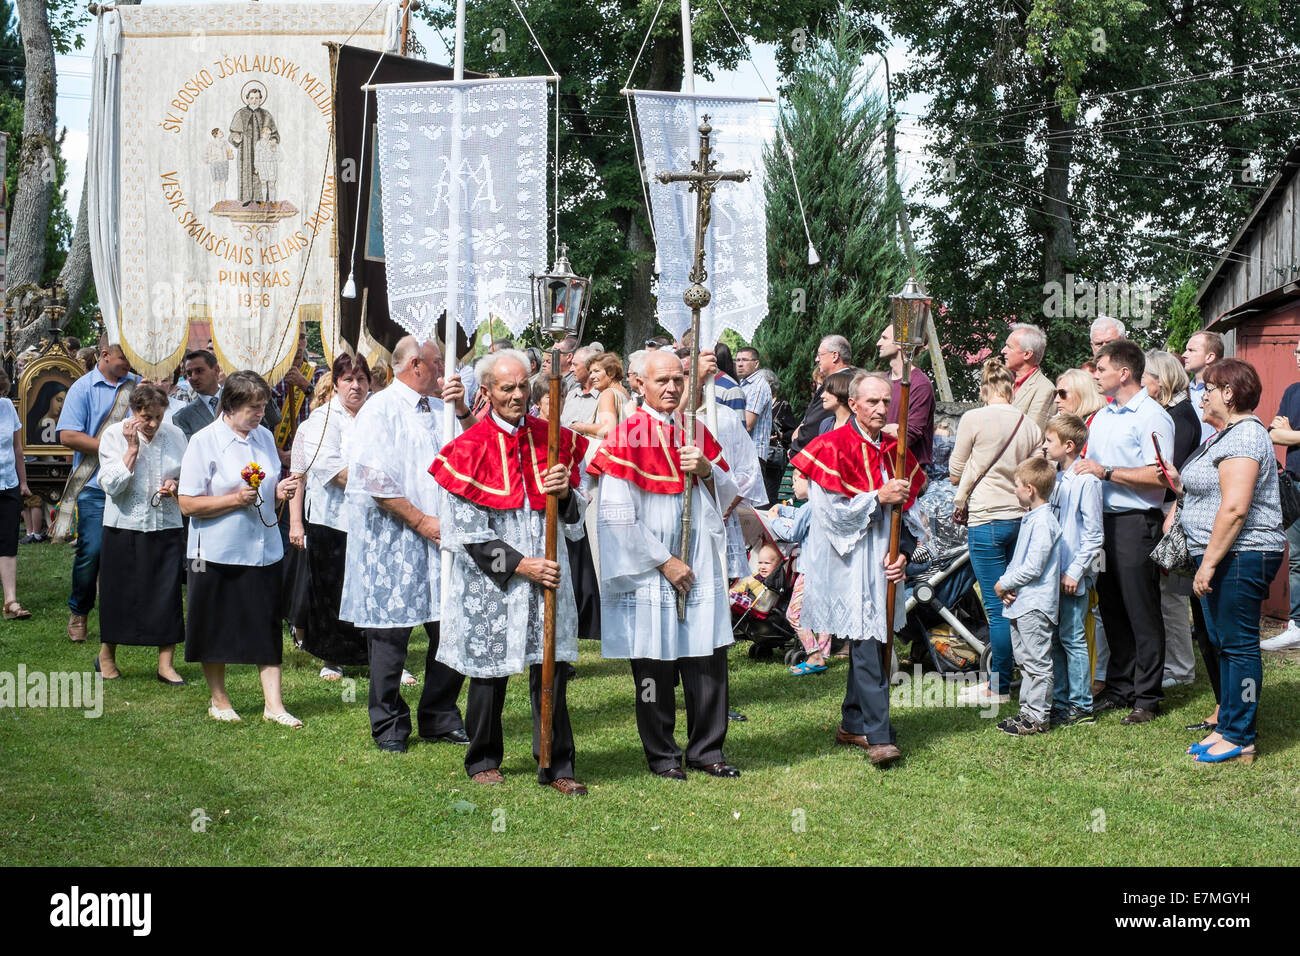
{"x":1209,"y":387}
{"x":1062,"y":393}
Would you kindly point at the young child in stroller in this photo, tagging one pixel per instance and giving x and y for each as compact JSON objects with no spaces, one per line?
{"x":791,"y":524}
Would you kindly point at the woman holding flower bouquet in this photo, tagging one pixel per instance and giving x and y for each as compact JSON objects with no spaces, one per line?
{"x":234,"y":549}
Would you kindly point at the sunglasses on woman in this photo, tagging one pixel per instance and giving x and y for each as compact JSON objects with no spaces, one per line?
{"x":1062,"y":393}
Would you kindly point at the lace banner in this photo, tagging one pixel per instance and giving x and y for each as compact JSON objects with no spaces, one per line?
{"x":736,"y":244}
{"x":220,"y":117}
{"x":484,"y":141}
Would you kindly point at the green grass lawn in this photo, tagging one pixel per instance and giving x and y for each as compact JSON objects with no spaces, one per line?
{"x":121,"y":789}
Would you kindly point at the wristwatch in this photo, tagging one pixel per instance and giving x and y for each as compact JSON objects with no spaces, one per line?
{"x":1108,"y":471}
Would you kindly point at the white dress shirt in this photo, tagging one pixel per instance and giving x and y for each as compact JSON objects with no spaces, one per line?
{"x":127,"y":494}
{"x":212,"y":465}
{"x":1120,"y":437}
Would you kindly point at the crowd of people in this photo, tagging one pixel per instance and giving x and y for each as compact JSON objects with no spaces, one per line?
{"x":337,"y":502}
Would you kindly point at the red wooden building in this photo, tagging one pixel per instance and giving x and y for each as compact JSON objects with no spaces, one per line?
{"x":1252,"y":298}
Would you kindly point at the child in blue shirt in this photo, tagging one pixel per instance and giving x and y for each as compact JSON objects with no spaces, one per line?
{"x":1076,"y":502}
{"x":1030,"y":592}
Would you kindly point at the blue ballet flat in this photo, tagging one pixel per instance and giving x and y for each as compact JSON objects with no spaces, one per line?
{"x":1236,"y":754}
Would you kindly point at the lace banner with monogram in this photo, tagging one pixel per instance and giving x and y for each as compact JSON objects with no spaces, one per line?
{"x":483,"y":141}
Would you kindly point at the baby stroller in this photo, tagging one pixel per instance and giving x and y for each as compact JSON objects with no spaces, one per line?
{"x":762,"y":620}
{"x":945,"y":617}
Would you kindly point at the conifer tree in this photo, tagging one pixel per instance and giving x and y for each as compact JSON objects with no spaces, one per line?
{"x":835,"y":123}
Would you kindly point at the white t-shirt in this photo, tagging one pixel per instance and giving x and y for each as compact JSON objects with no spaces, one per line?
{"x":9,"y":424}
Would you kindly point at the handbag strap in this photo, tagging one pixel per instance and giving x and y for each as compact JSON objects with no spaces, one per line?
{"x":996,"y":458}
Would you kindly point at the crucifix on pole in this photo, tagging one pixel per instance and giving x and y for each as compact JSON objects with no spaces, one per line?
{"x":703,"y":180}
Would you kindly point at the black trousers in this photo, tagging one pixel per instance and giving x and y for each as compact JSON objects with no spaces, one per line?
{"x":487,"y":695}
{"x":1128,"y":595}
{"x":704,"y":686}
{"x":866,"y":699}
{"x":390,"y":717}
{"x":1208,"y":654}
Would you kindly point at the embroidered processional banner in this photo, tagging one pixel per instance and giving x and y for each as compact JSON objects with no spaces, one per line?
{"x":225,"y":204}
{"x":736,"y":240}
{"x":483,"y":143}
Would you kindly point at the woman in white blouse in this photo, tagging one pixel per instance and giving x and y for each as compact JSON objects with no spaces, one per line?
{"x":234,"y":548}
{"x":322,"y":527}
{"x":139,"y":464}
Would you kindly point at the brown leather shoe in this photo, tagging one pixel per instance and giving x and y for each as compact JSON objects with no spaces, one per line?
{"x":1138,"y":716}
{"x":881,"y":754}
{"x":490,"y":777}
{"x":569,"y":787}
{"x":854,"y":740}
{"x":77,"y":628}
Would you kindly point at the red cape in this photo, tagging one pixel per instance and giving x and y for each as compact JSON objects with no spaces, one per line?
{"x":490,"y":468}
{"x":844,"y":462}
{"x":647,"y":452}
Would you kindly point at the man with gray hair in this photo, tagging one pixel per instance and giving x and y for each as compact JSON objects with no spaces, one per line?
{"x":580,"y":400}
{"x":391,"y":579}
{"x":852,"y":491}
{"x":1023,"y":354}
{"x":1105,"y":330}
{"x":497,"y":486}
{"x":833,"y":354}
{"x":636,"y":374}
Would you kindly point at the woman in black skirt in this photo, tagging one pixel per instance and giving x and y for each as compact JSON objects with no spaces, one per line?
{"x":234,"y":547}
{"x":323,"y":533}
{"x":139,"y":464}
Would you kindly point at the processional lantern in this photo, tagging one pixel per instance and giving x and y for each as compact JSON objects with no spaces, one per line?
{"x":560,"y":299}
{"x":910,"y":310}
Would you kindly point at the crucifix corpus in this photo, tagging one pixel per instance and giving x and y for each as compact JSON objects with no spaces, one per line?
{"x":703,"y":180}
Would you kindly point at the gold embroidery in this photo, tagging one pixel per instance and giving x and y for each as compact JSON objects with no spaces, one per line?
{"x":673,"y":476}
{"x":505,"y":471}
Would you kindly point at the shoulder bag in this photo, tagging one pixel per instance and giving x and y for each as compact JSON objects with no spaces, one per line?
{"x":960,"y":514}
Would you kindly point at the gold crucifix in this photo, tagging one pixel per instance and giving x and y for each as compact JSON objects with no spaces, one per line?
{"x":703,"y":180}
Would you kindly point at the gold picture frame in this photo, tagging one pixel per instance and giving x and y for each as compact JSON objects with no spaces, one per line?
{"x":42,"y":389}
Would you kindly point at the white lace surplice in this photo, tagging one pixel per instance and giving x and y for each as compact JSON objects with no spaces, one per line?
{"x":497,"y":633}
{"x":639,"y":531}
{"x":392,"y":573}
{"x":843,"y":565}
{"x":739,"y":454}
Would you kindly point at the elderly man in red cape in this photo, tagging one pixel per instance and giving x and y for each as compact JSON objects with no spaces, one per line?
{"x":852,"y":491}
{"x":494,"y":528}
{"x":642,"y":466}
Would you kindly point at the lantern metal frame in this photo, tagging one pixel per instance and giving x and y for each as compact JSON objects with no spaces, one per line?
{"x":560,"y":299}
{"x":910,"y":309}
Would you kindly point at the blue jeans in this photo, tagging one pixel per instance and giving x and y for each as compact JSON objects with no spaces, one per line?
{"x":1238,"y":589}
{"x":1293,"y":550}
{"x":1072,"y":680}
{"x":85,"y":566}
{"x":991,"y":546}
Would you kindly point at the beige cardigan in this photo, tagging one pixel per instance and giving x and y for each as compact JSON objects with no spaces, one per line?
{"x":981,"y":433}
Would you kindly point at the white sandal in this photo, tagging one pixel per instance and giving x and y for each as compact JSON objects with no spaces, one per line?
{"x":286,"y":719}
{"x":225,"y":714}
{"x":408,"y":679}
{"x":331,"y":672}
